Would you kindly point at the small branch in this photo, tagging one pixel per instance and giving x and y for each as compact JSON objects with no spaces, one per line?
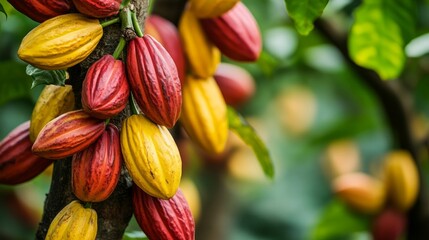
{"x":396,"y":114}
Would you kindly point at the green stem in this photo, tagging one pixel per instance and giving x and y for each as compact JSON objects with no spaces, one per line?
{"x":107,"y":121}
{"x":133,"y":106}
{"x":126,"y":19}
{"x":119,"y":48}
{"x":110,"y":22}
{"x":136,"y":25}
{"x":125,"y":3}
{"x":87,"y":205}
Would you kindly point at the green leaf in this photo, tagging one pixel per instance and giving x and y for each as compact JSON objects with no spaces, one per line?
{"x":135,"y":235}
{"x":2,"y":10}
{"x":379,"y":34}
{"x":304,"y":12}
{"x":13,"y":82}
{"x":249,"y":136}
{"x":40,"y":76}
{"x":338,"y":222}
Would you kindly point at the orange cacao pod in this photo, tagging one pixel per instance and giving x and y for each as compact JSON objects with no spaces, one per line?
{"x":236,"y":33}
{"x":96,"y":170}
{"x":167,"y":34}
{"x":235,"y":83}
{"x":163,"y":219}
{"x":154,"y":81}
{"x":98,"y":8}
{"x":17,"y":163}
{"x":105,"y":90}
{"x":41,"y":10}
{"x":67,"y":134}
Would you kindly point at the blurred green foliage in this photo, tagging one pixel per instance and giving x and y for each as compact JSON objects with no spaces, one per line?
{"x":334,"y":104}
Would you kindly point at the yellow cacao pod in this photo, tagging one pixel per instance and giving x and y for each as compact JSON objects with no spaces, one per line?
{"x":204,"y":115}
{"x":211,"y":8}
{"x":52,"y":102}
{"x":151,"y":156}
{"x":192,"y":196}
{"x":360,"y":191}
{"x":401,"y":179}
{"x":61,"y":42}
{"x":203,"y":56}
{"x":73,"y":222}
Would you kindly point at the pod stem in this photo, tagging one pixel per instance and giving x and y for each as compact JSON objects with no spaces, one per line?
{"x":87,"y":205}
{"x":136,"y":24}
{"x":133,"y":105}
{"x":119,"y":48}
{"x":127,"y":26}
{"x":110,"y":22}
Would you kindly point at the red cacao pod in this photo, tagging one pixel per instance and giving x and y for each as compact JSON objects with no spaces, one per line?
{"x":154,"y":81}
{"x":96,"y":170}
{"x":389,"y":225}
{"x":17,"y":163}
{"x":98,"y":8}
{"x":105,"y":90}
{"x":236,"y":33}
{"x":67,"y":134}
{"x":235,"y":83}
{"x":41,"y":10}
{"x":163,"y":219}
{"x":167,"y":34}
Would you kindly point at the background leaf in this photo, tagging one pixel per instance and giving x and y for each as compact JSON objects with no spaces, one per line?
{"x":249,"y":136}
{"x":304,"y":12}
{"x":338,"y":222}
{"x":2,"y":10}
{"x":14,"y":83}
{"x":135,"y":235}
{"x":379,"y":34}
{"x":40,"y":76}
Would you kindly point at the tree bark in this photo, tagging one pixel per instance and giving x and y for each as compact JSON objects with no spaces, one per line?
{"x":115,"y":212}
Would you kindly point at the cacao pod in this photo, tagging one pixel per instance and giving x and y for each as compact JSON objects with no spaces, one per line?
{"x":204,"y":115}
{"x":52,"y":102}
{"x":73,"y":222}
{"x":163,"y":219}
{"x":67,"y":134}
{"x":105,"y":90}
{"x":389,"y":225}
{"x":235,"y":83}
{"x":342,"y":157}
{"x":401,"y":178}
{"x":96,"y":170}
{"x":98,"y":8}
{"x":236,"y":34}
{"x":42,"y":10}
{"x":192,"y":196}
{"x":202,"y":54}
{"x":154,"y":81}
{"x":17,"y":163}
{"x":360,"y":191}
{"x":167,"y":34}
{"x":61,"y":42}
{"x":151,"y":156}
{"x":211,"y":8}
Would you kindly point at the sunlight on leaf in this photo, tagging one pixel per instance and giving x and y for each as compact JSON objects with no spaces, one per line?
{"x":249,"y":136}
{"x":40,"y":76}
{"x":379,"y":34}
{"x":304,"y":12}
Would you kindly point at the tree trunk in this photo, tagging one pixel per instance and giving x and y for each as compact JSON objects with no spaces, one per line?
{"x":115,"y":212}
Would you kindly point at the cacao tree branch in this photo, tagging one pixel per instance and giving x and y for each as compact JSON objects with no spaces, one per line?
{"x":396,"y":113}
{"x":115,"y":212}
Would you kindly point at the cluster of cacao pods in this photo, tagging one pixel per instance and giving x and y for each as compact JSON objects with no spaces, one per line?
{"x":97,"y":148}
{"x":388,"y":197}
{"x":207,"y":29}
